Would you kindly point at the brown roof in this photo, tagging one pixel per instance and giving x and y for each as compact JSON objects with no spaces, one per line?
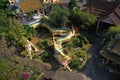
{"x":115,"y":19}
{"x":101,"y":5}
{"x":117,"y":11}
{"x":115,"y":16}
{"x":29,"y":5}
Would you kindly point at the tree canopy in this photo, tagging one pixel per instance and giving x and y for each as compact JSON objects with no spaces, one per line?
{"x":72,"y":4}
{"x":2,"y":3}
{"x":82,"y":19}
{"x":113,"y":30}
{"x":58,"y":17}
{"x":13,"y":31}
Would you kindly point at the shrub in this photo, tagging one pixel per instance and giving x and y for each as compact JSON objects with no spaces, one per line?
{"x":83,"y":40}
{"x":46,"y":56}
{"x":79,"y":54}
{"x":84,"y":20}
{"x":42,"y":44}
{"x":75,"y":63}
{"x":113,"y":31}
{"x":44,"y":20}
{"x":23,"y":53}
{"x":29,"y":31}
{"x":79,"y":42}
{"x":76,"y":42}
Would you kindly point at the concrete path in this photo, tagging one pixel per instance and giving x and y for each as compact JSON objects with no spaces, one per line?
{"x":95,"y":71}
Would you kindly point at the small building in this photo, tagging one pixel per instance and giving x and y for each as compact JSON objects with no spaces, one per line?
{"x":27,"y":11}
{"x":113,"y":18}
{"x":27,"y":6}
{"x":111,"y":54}
{"x":106,"y":11}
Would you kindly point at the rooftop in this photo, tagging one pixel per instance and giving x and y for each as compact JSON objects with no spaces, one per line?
{"x":101,"y":5}
{"x":29,"y":5}
{"x":115,"y":16}
{"x":112,"y":51}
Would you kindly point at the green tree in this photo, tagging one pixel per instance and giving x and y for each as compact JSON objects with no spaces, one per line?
{"x":13,"y":31}
{"x":83,"y":20}
{"x":72,"y":4}
{"x":44,"y":20}
{"x":113,"y":30}
{"x":3,"y":23}
{"x":83,"y":40}
{"x":76,"y":42}
{"x":2,"y":3}
{"x":58,"y":17}
{"x":16,"y":32}
{"x":29,"y":31}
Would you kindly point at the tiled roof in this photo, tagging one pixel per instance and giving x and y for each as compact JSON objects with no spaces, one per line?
{"x":29,"y":5}
{"x":101,"y":5}
{"x":115,"y":16}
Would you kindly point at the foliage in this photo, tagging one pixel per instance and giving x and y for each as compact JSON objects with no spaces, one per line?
{"x":9,"y":72}
{"x":83,"y":40}
{"x":13,"y":31}
{"x":58,"y":17}
{"x":79,"y":42}
{"x":83,"y":20}
{"x":23,"y":53}
{"x":72,"y":4}
{"x":16,"y":33}
{"x":8,"y":12}
{"x":76,"y":42}
{"x":44,"y":20}
{"x":46,"y":56}
{"x":42,"y":44}
{"x":2,"y":3}
{"x":113,"y":30}
{"x":10,"y":29}
{"x":75,"y":63}
{"x":29,"y":31}
{"x":13,"y":71}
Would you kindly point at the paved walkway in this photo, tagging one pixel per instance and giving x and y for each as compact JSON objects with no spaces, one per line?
{"x":95,"y":71}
